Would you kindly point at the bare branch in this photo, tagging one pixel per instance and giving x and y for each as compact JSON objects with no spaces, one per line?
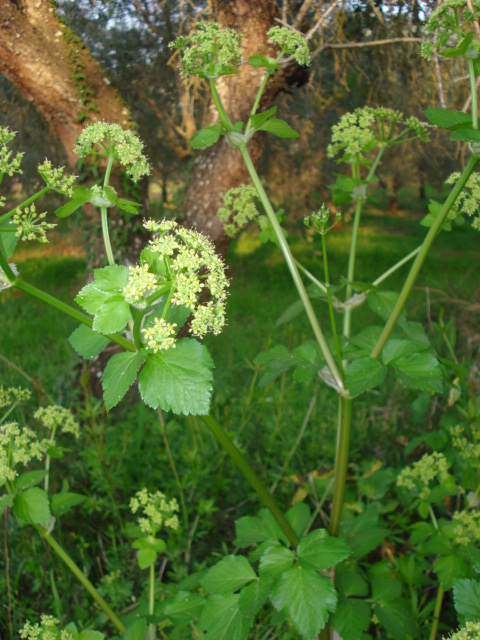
{"x":438,"y":77}
{"x":371,"y":43}
{"x":301,"y":13}
{"x":321,"y":20}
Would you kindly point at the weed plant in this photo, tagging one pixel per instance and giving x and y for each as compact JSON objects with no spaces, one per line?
{"x":374,"y":547}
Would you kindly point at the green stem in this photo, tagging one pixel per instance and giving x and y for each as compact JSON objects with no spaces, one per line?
{"x":330,"y":303}
{"x":252,"y":478}
{"x":219,"y":106}
{"x":311,"y":277}
{"x":473,"y":92}
{"x":151,"y":603}
{"x":11,"y":213}
{"x":396,"y":266}
{"x":290,"y":260}
{"x":341,"y":461}
{"x":104,"y":216}
{"x":421,"y":256}
{"x":5,"y":267}
{"x":436,"y":613}
{"x":347,"y":318}
{"x":68,"y":310}
{"x":63,"y":555}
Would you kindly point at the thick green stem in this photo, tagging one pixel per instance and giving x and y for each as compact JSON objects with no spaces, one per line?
{"x":63,"y":555}
{"x":104,"y":217}
{"x":68,"y":310}
{"x":341,"y":461}
{"x":219,"y":106}
{"x":252,"y":478}
{"x":421,"y":256}
{"x":290,"y":260}
{"x":396,"y":266}
{"x":347,"y":318}
{"x":473,"y":92}
{"x":330,"y":303}
{"x":311,"y":277}
{"x":436,"y":613}
{"x":152,"y":629}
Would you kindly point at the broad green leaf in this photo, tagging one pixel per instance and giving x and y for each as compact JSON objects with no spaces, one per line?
{"x":419,"y":371}
{"x":364,"y":374}
{"x":154,"y":544}
{"x":67,"y":209}
{"x":466,"y":135}
{"x":351,"y":583}
{"x":460,"y":49}
{"x":192,"y":581}
{"x":206,"y":137}
{"x":222,"y":619}
{"x":276,"y":560}
{"x":258,"y":61}
{"x":351,"y":618}
{"x":125,"y":205}
{"x":416,"y":333}
{"x":446,"y":119}
{"x":278,"y":128}
{"x":367,"y":338}
{"x":299,"y":518}
{"x":88,"y":634}
{"x":29,"y":479}
{"x":382,"y":302}
{"x":137,"y":630}
{"x":307,"y":598}
{"x":111,"y":278}
{"x":32,"y":506}
{"x":178,"y":380}
{"x":112,"y":316}
{"x":397,"y":348}
{"x":466,"y":596}
{"x":396,"y":617}
{"x":8,"y":240}
{"x":384,"y":588}
{"x":260,"y":118}
{"x":62,"y":502}
{"x":146,"y":557}
{"x":87,"y":343}
{"x":183,"y":608}
{"x":119,"y":375}
{"x":450,"y":568}
{"x":91,"y":298}
{"x":6,"y":501}
{"x":228,"y":575}
{"x":253,"y":597}
{"x":256,"y":529}
{"x":321,"y":550}
{"x":366,"y":540}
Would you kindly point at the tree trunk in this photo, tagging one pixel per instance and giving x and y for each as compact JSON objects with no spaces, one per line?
{"x":219,"y":168}
{"x":42,"y":57}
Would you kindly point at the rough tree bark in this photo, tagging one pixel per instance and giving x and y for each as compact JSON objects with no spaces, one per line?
{"x":35,"y":56}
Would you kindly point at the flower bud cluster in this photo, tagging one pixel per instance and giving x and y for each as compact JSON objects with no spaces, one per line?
{"x":124,"y":146}
{"x":319,"y":221}
{"x":468,"y":200}
{"x":156,"y":511}
{"x":46,"y":630}
{"x":469,"y":448}
{"x":13,"y":394}
{"x":422,"y":473}
{"x":471,"y":631}
{"x":467,"y":527}
{"x":55,"y":416}
{"x":160,"y":336}
{"x":208,"y":50}
{"x":30,"y":225}
{"x":17,"y":446}
{"x":449,"y":22}
{"x":141,"y":284}
{"x":292,"y":43}
{"x":56,"y":178}
{"x":8,"y":163}
{"x":239,"y":208}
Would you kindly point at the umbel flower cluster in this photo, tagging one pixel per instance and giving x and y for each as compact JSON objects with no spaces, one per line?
{"x":468,"y":201}
{"x":48,"y":629}
{"x":418,"y":478}
{"x":9,"y":163}
{"x":448,"y":24}
{"x":156,"y":511}
{"x":239,"y":208}
{"x":179,"y":263}
{"x":365,"y":128}
{"x":471,"y":631}
{"x":291,"y":43}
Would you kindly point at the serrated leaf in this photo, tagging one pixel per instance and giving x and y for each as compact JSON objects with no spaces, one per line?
{"x":420,"y":371}
{"x":253,"y":597}
{"x":367,"y":338}
{"x":32,"y":506}
{"x":260,"y":118}
{"x":206,"y":137}
{"x":119,"y":375}
{"x":382,"y":302}
{"x":351,"y":618}
{"x":258,"y":61}
{"x":447,"y":119}
{"x":466,"y":596}
{"x":88,"y":634}
{"x":178,"y":380}
{"x":396,"y":618}
{"x":278,"y":128}
{"x":87,"y":343}
{"x":222,"y":619}
{"x":8,"y":240}
{"x":137,"y":630}
{"x":183,"y":608}
{"x":229,"y":575}
{"x":449,"y":568}
{"x":91,"y":298}
{"x":112,"y":316}
{"x":385,"y":589}
{"x":396,"y":348}
{"x":146,"y":557}
{"x":62,"y":502}
{"x":6,"y":501}
{"x":299,"y":517}
{"x":364,"y":374}
{"x":256,"y":529}
{"x":321,"y":550}
{"x":466,"y":135}
{"x":307,"y":598}
{"x":111,"y":278}
{"x":29,"y":479}
{"x":275,"y":561}
{"x":350,"y":583}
